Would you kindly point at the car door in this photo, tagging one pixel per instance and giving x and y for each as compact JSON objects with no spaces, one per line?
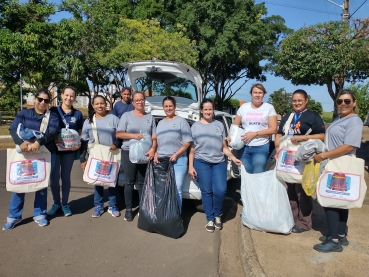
{"x":223,"y":119}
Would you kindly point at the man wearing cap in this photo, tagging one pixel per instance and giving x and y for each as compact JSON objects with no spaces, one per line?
{"x":125,"y":105}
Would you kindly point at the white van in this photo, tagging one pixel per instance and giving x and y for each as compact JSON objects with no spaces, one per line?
{"x":162,"y":78}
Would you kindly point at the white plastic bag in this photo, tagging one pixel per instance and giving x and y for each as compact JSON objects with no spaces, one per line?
{"x":235,"y":135}
{"x":68,"y":139}
{"x":138,"y":149}
{"x":265,"y":203}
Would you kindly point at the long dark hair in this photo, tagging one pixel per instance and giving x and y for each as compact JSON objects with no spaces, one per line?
{"x":204,"y":101}
{"x":91,"y":112}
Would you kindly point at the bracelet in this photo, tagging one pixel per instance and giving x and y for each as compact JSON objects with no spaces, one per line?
{"x":257,"y":135}
{"x":323,"y":156}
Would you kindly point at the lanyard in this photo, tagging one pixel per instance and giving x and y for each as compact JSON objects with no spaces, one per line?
{"x":296,"y":117}
{"x":62,"y":116}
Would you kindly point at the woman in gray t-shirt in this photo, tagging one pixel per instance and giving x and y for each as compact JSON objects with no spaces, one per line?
{"x":106,"y":126}
{"x":207,"y":164}
{"x":343,"y":137}
{"x":131,"y":126}
{"x":174,"y":137}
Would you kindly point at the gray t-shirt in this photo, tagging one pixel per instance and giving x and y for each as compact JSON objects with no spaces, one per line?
{"x":106,"y":129}
{"x":208,"y":140}
{"x":347,"y":130}
{"x":171,"y":134}
{"x":131,"y":123}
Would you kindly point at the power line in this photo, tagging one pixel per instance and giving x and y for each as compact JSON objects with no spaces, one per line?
{"x":357,"y":9}
{"x":297,"y":7}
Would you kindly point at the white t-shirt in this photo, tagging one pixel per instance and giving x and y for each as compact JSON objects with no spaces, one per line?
{"x":254,"y":120}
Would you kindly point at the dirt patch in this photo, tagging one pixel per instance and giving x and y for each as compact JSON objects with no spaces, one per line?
{"x":6,"y":143}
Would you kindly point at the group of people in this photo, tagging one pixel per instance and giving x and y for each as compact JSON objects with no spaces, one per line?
{"x":197,"y":150}
{"x":259,"y":120}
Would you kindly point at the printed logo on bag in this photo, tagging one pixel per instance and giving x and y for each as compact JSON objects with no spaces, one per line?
{"x":27,"y":171}
{"x":73,"y":119}
{"x":342,"y":186}
{"x":288,"y":163}
{"x":103,"y":168}
{"x":103,"y":171}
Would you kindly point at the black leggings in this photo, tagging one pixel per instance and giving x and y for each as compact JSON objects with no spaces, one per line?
{"x":134,"y":174}
{"x":337,"y":221}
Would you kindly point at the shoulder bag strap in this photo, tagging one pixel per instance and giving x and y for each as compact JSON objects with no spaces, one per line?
{"x":62,"y":117}
{"x":94,"y":130}
{"x":45,"y":122}
{"x":288,"y":124}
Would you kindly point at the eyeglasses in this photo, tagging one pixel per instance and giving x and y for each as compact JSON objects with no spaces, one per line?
{"x":340,"y":101}
{"x":40,"y":99}
{"x":139,"y":100}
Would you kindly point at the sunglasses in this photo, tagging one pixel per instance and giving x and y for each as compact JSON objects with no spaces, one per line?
{"x":340,"y":101}
{"x":40,"y":99}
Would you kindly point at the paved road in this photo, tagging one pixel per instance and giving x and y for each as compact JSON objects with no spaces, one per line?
{"x":84,"y":246}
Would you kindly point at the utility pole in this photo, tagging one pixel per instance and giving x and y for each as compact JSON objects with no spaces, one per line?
{"x":345,"y":9}
{"x":345,"y":15}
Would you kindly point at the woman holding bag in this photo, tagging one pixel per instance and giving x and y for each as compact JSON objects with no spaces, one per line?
{"x":67,"y":115}
{"x":106,"y":125}
{"x":174,"y":138}
{"x":259,"y":120}
{"x":305,"y":125}
{"x":25,"y":133}
{"x":343,"y":138}
{"x":133,"y":125}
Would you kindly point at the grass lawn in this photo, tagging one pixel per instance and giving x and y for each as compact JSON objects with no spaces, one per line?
{"x":328,"y":114}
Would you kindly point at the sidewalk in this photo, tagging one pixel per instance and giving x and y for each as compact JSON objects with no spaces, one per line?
{"x":266,"y":254}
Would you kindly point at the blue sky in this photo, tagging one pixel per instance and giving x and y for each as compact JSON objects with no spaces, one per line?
{"x":297,"y":14}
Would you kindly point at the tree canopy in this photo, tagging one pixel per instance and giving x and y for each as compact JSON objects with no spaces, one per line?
{"x":325,"y":54}
{"x":232,"y":38}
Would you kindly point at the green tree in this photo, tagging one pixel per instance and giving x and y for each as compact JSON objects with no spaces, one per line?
{"x":362,"y":97}
{"x":232,"y":38}
{"x":27,"y":44}
{"x":325,"y":54}
{"x":281,"y":100}
{"x":314,"y":106}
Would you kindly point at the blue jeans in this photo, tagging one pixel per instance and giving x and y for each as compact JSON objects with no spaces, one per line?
{"x":63,"y":167}
{"x":212,"y":179}
{"x":99,"y":196}
{"x":39,"y":205}
{"x":180,"y":170}
{"x":254,"y":158}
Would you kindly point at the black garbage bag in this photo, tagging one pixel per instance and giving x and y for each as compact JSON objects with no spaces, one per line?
{"x":159,"y":211}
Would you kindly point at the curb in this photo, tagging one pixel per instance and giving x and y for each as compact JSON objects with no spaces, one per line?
{"x":5,"y":137}
{"x":250,"y":262}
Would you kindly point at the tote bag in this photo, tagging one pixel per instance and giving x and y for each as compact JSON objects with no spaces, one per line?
{"x":102,"y":166}
{"x":29,"y":171}
{"x":288,"y":169}
{"x":342,"y":183}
